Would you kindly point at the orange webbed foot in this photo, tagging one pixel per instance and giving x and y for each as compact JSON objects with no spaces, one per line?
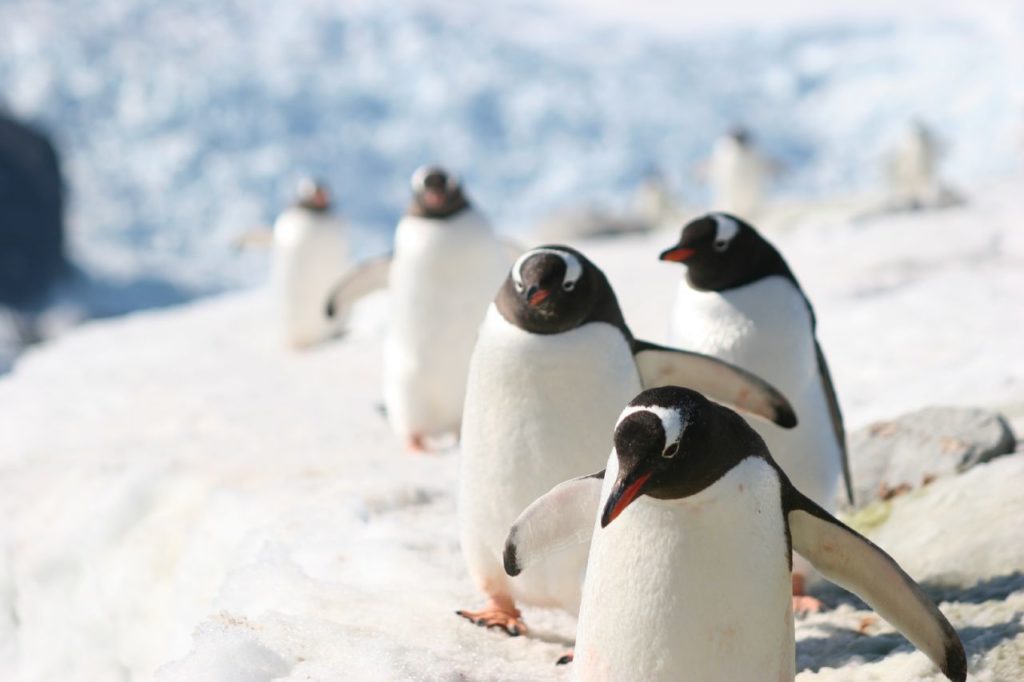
{"x":497,"y":614}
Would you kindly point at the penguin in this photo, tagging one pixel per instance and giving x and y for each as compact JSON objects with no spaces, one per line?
{"x":309,"y":252}
{"x":446,"y":266}
{"x":738,"y":173}
{"x":912,"y":166}
{"x":741,"y":303}
{"x":552,"y":367}
{"x":693,"y":526}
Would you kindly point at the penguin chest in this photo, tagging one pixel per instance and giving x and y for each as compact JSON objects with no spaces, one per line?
{"x":764,"y":327}
{"x":539,"y":409}
{"x":693,"y":589}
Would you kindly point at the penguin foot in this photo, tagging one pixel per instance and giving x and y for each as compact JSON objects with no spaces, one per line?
{"x":416,"y":444}
{"x":566,"y":657}
{"x":802,"y":602}
{"x":498,"y":614}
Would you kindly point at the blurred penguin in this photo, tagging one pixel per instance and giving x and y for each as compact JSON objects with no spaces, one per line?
{"x":738,"y":173}
{"x":310,"y":252}
{"x":912,"y":166}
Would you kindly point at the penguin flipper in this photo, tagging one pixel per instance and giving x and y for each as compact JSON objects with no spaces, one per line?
{"x":363,"y":279}
{"x":561,"y":518}
{"x":852,"y":561}
{"x":837,"y":419}
{"x":719,"y":380}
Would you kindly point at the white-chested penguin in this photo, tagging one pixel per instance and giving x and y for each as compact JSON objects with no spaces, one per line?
{"x":447,"y":264}
{"x":740,"y":302}
{"x":310,"y":252}
{"x":738,"y":173}
{"x":553,"y":365}
{"x":689,"y":573}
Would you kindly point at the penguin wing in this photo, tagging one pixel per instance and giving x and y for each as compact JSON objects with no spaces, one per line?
{"x":719,"y":380}
{"x":837,"y":418}
{"x":361,"y":280}
{"x":852,"y":561}
{"x":561,"y":518}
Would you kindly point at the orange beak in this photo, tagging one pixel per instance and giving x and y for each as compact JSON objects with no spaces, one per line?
{"x":538,"y":296}
{"x":622,"y":496}
{"x":677,"y":254}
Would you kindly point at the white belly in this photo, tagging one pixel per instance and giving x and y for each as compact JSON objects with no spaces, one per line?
{"x":310,"y":253}
{"x":443,"y":277}
{"x":695,"y":589}
{"x":765,"y":328}
{"x":540,"y":409}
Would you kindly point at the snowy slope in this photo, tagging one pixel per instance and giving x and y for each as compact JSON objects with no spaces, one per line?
{"x":181,"y":493}
{"x":185,"y":123}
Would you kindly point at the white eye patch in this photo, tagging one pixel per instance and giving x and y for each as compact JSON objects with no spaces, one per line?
{"x":725,"y":230}
{"x":672,"y":421}
{"x":573,"y":267}
{"x":420,"y":177}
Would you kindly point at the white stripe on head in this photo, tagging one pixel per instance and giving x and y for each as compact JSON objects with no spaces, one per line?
{"x":673,"y":421}
{"x":725,"y":228}
{"x":573,"y":267}
{"x":419,"y":177}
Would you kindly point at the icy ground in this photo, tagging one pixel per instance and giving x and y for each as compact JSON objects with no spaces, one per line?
{"x":186,"y":500}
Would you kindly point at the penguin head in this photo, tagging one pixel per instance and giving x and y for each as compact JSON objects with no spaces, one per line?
{"x":552,"y":289}
{"x":312,"y":194}
{"x":721,"y":252}
{"x":671,"y":443}
{"x":436,"y":193}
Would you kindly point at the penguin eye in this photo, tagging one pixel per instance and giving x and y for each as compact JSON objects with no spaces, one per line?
{"x":518,"y":286}
{"x":568,"y":286}
{"x":721,"y":246}
{"x":671,"y":451}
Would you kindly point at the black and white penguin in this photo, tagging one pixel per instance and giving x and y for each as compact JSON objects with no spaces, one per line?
{"x":552,"y":367}
{"x":738,"y":173}
{"x":446,"y":265}
{"x":740,"y":302}
{"x":689,"y":572}
{"x":310,"y":251}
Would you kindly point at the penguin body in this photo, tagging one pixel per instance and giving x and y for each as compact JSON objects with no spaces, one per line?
{"x":444,"y":273}
{"x":309,"y":252}
{"x":688,"y":574}
{"x":738,"y":174}
{"x":553,"y":364}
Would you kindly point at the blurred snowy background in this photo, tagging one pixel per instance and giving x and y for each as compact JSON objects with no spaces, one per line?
{"x":183,"y":123}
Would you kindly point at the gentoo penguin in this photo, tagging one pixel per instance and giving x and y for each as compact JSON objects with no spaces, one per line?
{"x":446,"y":266}
{"x":552,"y":367}
{"x":738,"y":173}
{"x":913,"y":164}
{"x":741,"y":303}
{"x":693,"y":526}
{"x":310,"y":252}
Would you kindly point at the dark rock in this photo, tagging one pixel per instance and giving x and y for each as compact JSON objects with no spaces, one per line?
{"x":893,"y":457}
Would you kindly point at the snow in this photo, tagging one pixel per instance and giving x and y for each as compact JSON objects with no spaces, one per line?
{"x":186,"y":499}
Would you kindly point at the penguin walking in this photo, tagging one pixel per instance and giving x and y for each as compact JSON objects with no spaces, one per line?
{"x":740,"y":302}
{"x":310,"y":251}
{"x":447,"y":264}
{"x":693,"y":528}
{"x":552,"y":367}
{"x":738,"y":173}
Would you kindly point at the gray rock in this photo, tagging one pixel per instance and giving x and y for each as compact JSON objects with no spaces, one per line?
{"x":891,"y":457}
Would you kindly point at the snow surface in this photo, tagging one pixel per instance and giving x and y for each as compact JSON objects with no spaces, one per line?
{"x":186,"y":499}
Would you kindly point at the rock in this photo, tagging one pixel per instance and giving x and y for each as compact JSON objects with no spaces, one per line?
{"x":893,"y":457}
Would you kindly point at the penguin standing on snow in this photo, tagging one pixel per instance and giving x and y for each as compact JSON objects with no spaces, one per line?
{"x":690,"y":559}
{"x":310,"y":251}
{"x":738,"y":173}
{"x":447,"y":264}
{"x":552,"y":367}
{"x":741,"y":303}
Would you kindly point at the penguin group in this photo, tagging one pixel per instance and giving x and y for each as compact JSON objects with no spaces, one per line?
{"x":684,"y":552}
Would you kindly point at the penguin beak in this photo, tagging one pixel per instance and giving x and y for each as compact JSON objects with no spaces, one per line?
{"x":434,"y":198}
{"x":536,"y":295}
{"x":626,"y":490}
{"x":677,"y":254}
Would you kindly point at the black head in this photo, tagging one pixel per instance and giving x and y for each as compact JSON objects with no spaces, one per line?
{"x":722,"y":252}
{"x":553,"y":289}
{"x":671,"y":443}
{"x":741,"y":135}
{"x":436,"y":193}
{"x":312,"y":194}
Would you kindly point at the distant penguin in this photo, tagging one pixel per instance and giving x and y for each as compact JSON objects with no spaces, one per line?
{"x":310,"y":252}
{"x":447,"y":265}
{"x":553,"y":365}
{"x":688,"y":576}
{"x":740,"y":302}
{"x":913,"y":166}
{"x":738,"y":173}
